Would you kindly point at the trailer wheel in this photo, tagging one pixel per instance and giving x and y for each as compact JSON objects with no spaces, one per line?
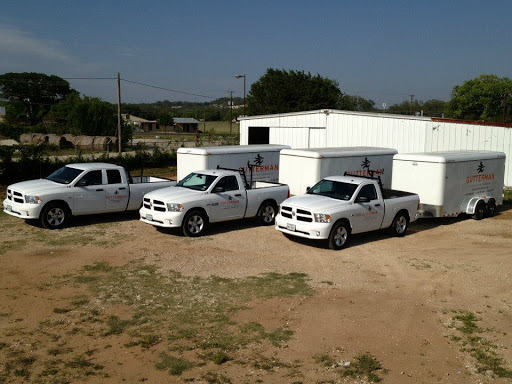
{"x":194,"y":224}
{"x":267,"y":213}
{"x":339,"y":235}
{"x":479,"y":211}
{"x":54,"y":216}
{"x":400,"y":224}
{"x":491,"y":208}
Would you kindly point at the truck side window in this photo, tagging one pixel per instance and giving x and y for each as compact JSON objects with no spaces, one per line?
{"x":92,"y":178}
{"x":113,"y":176}
{"x":368,"y":191}
{"x":229,"y":183}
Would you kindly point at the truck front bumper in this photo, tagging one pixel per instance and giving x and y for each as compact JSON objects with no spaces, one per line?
{"x":23,"y":211}
{"x":161,"y":219}
{"x":311,"y":230}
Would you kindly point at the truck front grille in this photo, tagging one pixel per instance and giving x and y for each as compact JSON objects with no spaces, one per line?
{"x":298,"y":214}
{"x":15,"y":196}
{"x":155,"y":205}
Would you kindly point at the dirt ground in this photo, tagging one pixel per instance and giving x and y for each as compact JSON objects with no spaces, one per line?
{"x":398,"y":300}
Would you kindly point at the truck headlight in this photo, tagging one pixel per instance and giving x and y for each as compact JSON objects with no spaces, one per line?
{"x":321,"y":218}
{"x":175,"y":207}
{"x":33,"y":199}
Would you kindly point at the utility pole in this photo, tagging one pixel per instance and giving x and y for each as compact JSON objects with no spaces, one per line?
{"x":119,"y":112}
{"x":230,"y":112}
{"x":410,"y":104}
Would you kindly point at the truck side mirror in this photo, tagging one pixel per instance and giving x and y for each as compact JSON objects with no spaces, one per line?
{"x":362,"y":199}
{"x":307,"y":189}
{"x":218,"y":189}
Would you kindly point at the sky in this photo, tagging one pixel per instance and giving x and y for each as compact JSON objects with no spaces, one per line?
{"x":379,"y":50}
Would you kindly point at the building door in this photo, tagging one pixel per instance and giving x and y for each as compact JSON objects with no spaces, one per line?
{"x":259,"y":135}
{"x":317,"y":138}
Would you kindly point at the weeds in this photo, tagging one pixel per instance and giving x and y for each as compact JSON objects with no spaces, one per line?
{"x":364,"y":365}
{"x":175,"y":365}
{"x":482,"y":350}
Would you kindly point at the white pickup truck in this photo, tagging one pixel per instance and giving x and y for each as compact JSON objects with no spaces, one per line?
{"x":339,"y":206}
{"x":211,"y":196}
{"x":79,"y":189}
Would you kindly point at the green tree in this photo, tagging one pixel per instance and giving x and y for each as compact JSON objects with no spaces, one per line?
{"x":487,"y":97}
{"x":88,"y":116}
{"x":280,"y":91}
{"x":355,"y":103}
{"x":434,"y":108}
{"x":31,"y":95}
{"x":165,"y":119}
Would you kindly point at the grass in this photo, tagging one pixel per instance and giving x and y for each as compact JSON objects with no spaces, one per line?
{"x":481,"y":349}
{"x":188,"y":321}
{"x":364,"y":365}
{"x":507,"y":199}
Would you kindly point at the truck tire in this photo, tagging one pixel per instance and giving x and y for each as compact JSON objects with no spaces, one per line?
{"x":267,"y":213}
{"x":479,"y":211}
{"x":54,"y":216}
{"x":339,"y":235}
{"x":490,"y":208}
{"x":399,"y":225}
{"x":194,"y":223}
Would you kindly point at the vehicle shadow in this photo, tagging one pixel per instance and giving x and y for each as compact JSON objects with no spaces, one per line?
{"x":83,"y":221}
{"x":218,"y":228}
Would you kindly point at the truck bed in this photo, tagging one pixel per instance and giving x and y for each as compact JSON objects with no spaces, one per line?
{"x":393,"y":194}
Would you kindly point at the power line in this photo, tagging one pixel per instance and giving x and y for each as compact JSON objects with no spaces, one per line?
{"x":168,"y":89}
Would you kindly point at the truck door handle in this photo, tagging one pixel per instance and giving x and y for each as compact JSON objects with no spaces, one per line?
{"x":238,"y":195}
{"x":123,"y":188}
{"x":99,"y":190}
{"x":377,"y":205}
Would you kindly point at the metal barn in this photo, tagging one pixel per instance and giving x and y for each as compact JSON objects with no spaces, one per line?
{"x":334,"y":128}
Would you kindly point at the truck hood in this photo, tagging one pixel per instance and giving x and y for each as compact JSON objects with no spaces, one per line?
{"x":174,"y":194}
{"x":315,"y":203}
{"x":37,"y":187}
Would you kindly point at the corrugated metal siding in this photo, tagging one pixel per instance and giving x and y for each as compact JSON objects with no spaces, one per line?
{"x":406,"y":134}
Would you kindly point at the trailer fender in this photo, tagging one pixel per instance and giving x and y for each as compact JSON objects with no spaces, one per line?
{"x":471,"y":205}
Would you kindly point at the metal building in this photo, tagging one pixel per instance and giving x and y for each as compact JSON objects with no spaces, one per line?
{"x":334,"y":128}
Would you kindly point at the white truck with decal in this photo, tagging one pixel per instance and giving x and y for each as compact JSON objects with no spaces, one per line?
{"x":451,"y":183}
{"x":79,"y":189}
{"x":210,"y":196}
{"x":339,"y":206}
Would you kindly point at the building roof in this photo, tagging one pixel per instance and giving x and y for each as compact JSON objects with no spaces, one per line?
{"x":185,"y":120}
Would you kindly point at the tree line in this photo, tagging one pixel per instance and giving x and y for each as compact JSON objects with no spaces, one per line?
{"x":47,"y":103}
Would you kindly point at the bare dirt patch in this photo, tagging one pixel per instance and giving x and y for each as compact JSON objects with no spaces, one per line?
{"x":112,"y":301}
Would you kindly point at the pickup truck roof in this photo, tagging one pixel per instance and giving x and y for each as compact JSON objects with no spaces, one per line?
{"x":90,"y":166}
{"x":216,"y":172}
{"x":349,"y":179}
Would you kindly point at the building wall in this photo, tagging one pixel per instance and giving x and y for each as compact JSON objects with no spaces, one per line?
{"x":317,"y":129}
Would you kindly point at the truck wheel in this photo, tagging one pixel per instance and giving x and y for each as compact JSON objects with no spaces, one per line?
{"x":54,"y":216}
{"x":339,"y":235}
{"x":399,"y":224}
{"x":194,"y":224}
{"x":267,"y":213}
{"x":479,"y":211}
{"x":491,"y":208}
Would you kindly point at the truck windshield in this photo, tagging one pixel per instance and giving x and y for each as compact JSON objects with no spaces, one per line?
{"x":334,"y":189}
{"x":64,"y":175}
{"x":197,"y":181}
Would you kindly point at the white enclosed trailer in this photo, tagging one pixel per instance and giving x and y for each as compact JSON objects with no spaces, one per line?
{"x":453,"y":182}
{"x":264,"y":158}
{"x":302,"y":168}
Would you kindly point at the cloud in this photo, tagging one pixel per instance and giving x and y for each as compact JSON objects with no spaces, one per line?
{"x":23,"y":51}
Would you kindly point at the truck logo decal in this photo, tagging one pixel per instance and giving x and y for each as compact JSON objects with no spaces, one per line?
{"x":366,"y":163}
{"x":481,"y":168}
{"x":366,"y":171}
{"x":258,"y":159}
